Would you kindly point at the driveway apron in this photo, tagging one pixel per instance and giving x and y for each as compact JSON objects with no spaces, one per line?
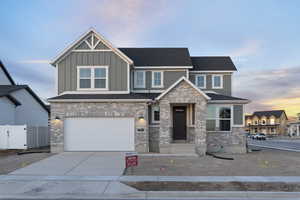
{"x":77,"y":164}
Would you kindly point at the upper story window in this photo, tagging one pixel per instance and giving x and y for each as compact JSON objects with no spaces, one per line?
{"x":272,"y":121}
{"x":201,"y":81}
{"x":157,"y":79}
{"x":217,"y":81}
{"x":139,"y":79}
{"x":92,"y":77}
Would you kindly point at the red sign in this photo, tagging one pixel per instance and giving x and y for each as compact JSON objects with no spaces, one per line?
{"x":131,"y":160}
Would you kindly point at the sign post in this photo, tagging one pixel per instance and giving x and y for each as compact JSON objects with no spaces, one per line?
{"x":131,"y":160}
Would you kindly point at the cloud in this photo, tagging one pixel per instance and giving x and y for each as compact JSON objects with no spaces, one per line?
{"x":35,"y":61}
{"x":250,"y":47}
{"x":270,"y":89}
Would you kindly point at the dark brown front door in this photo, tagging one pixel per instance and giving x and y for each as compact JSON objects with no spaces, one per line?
{"x":179,"y":123}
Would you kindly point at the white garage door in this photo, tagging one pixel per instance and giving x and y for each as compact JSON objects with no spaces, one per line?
{"x":99,"y":134}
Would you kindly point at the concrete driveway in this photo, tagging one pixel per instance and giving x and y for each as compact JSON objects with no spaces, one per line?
{"x":77,"y":164}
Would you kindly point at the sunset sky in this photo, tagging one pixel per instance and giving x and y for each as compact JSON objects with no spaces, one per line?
{"x":262,"y":37}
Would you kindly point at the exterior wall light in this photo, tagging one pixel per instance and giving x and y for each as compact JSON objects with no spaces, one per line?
{"x":57,"y":118}
{"x":141,"y":118}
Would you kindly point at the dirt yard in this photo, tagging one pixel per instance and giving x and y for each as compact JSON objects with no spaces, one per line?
{"x":10,"y":161}
{"x":257,"y":163}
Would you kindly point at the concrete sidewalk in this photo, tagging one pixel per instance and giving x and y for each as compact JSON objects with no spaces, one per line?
{"x":110,"y":187}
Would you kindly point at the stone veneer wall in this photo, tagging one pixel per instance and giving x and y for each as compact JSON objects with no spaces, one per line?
{"x":183,"y":93}
{"x":228,"y":142}
{"x":65,"y":110}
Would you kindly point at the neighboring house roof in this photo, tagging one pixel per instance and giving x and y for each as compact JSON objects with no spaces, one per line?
{"x":76,"y":42}
{"x":6,"y":90}
{"x":177,"y":82}
{"x":148,"y":96}
{"x":6,"y":73}
{"x":160,"y":57}
{"x":275,"y":113}
{"x":212,"y":63}
{"x":220,"y":97}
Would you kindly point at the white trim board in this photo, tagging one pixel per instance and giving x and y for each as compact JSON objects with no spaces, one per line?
{"x":101,"y":38}
{"x":94,"y":91}
{"x":163,"y":67}
{"x":176,"y":83}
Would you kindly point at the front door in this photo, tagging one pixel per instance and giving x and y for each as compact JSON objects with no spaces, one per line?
{"x":179,"y":123}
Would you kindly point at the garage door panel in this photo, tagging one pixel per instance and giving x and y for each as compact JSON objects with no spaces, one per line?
{"x":99,"y":134}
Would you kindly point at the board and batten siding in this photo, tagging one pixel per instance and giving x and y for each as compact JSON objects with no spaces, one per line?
{"x":227,"y":83}
{"x":238,"y":114}
{"x":169,"y":77}
{"x":117,"y":69}
{"x":7,"y":111}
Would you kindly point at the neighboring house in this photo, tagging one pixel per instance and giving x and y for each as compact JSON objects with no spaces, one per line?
{"x":272,"y":122}
{"x":294,"y":127}
{"x":19,"y":105}
{"x":144,"y":99}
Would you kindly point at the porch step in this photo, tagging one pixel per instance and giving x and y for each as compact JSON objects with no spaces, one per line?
{"x":178,"y":148}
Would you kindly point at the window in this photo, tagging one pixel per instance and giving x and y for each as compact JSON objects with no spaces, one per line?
{"x":155,"y":114}
{"x":201,"y":81}
{"x":93,"y":77}
{"x":157,"y":79}
{"x":272,"y":121}
{"x":139,"y":79}
{"x":219,"y":118}
{"x":263,"y":122}
{"x":217,"y":81}
{"x":256,"y":122}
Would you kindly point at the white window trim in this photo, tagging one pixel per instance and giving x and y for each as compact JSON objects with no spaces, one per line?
{"x":161,"y":77}
{"x":213,"y":81}
{"x":92,"y":77}
{"x":152,"y":115}
{"x":217,"y":118}
{"x":135,"y":79}
{"x":196,"y":80}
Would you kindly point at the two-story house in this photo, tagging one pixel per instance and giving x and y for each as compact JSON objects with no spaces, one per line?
{"x":273,"y":122}
{"x":144,"y":99}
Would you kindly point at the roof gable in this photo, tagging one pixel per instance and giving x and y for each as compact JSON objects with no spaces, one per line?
{"x":90,"y":41}
{"x":178,"y":82}
{"x":275,"y":113}
{"x":5,"y":72}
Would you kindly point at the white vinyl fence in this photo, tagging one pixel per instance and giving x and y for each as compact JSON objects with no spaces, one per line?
{"x":23,"y":137}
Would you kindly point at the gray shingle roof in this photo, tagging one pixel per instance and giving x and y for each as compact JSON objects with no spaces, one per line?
{"x":108,"y":96}
{"x":220,"y":97}
{"x":269,"y":113}
{"x":212,"y":63}
{"x":158,"y":56}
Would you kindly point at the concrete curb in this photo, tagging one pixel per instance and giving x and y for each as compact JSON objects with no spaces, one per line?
{"x":267,"y":179}
{"x":170,"y":195}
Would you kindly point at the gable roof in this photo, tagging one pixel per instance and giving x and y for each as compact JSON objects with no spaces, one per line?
{"x":212,"y":63}
{"x":6,"y":73}
{"x":275,"y":113}
{"x":159,"y":56}
{"x":177,"y":82}
{"x":106,"y":42}
{"x":6,"y":90}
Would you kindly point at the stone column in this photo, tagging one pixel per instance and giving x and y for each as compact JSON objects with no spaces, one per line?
{"x":165,"y":131}
{"x":200,"y":128}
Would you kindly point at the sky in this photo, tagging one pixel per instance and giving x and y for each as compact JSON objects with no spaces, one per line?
{"x":262,"y":38}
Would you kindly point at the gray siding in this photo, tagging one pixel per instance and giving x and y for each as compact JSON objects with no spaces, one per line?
{"x":169,"y":78}
{"x":3,"y":78}
{"x":7,"y":114}
{"x":238,"y":114}
{"x":30,"y":112}
{"x":227,"y":84}
{"x":67,"y":69}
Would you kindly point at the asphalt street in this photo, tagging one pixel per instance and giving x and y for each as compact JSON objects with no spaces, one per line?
{"x":288,"y":145}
